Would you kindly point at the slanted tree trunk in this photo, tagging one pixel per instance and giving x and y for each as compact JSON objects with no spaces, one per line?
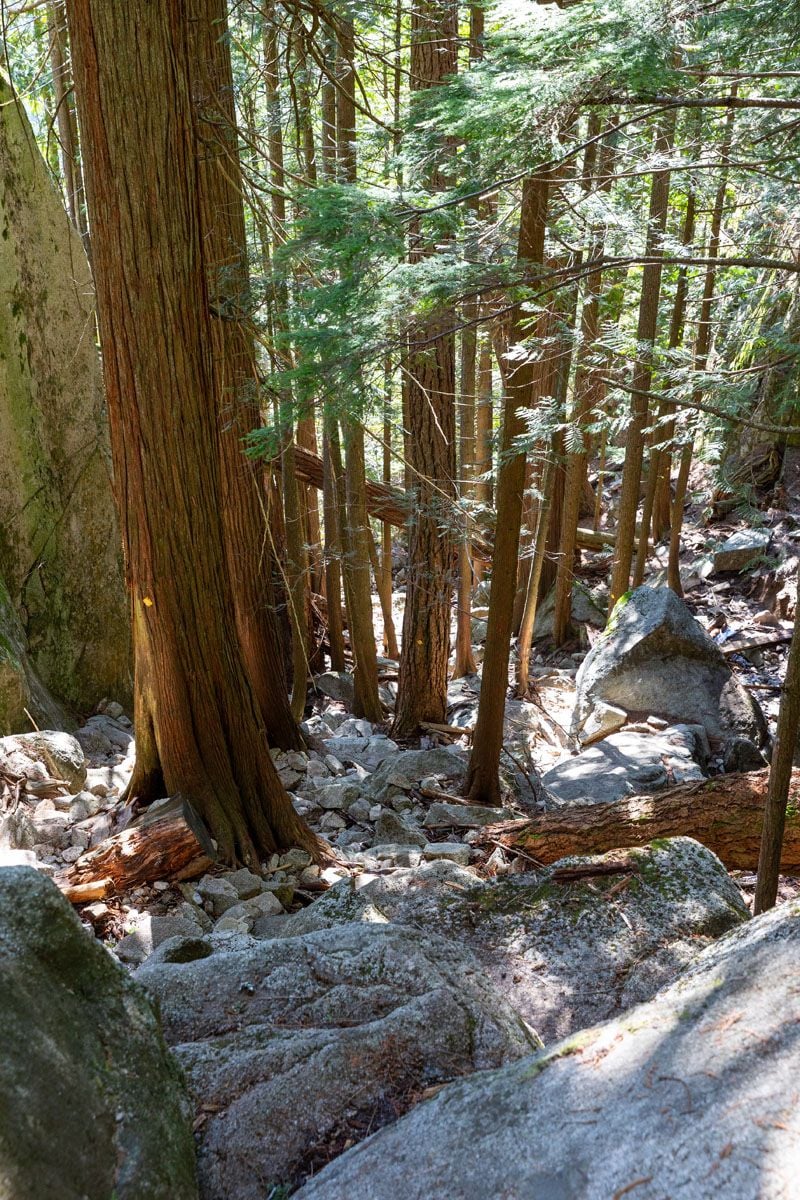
{"x":65,"y":117}
{"x":198,"y":726}
{"x":780,"y":778}
{"x":384,"y":596}
{"x":236,"y":385}
{"x":483,"y":784}
{"x":725,"y":814}
{"x":422,"y":684}
{"x":643,"y":367}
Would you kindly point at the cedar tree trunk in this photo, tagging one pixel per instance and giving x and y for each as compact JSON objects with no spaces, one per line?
{"x":243,"y":495}
{"x":483,"y":784}
{"x":422,"y":683}
{"x":198,"y":726}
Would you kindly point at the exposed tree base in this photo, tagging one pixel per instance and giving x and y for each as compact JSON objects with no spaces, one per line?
{"x":724,"y":813}
{"x":170,"y":843}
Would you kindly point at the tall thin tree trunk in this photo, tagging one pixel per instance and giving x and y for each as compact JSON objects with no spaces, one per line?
{"x":701,"y":351}
{"x":198,"y":726}
{"x":643,"y":367}
{"x":465,"y":660}
{"x":422,"y":685}
{"x":483,"y":781}
{"x":390,"y":636}
{"x":358,"y":592}
{"x":525,"y":642}
{"x":298,"y":596}
{"x":243,"y":496}
{"x":780,"y":777}
{"x":333,"y":546}
{"x":357,"y":587}
{"x":484,"y":420}
{"x":659,"y":470}
{"x":585,"y":397}
{"x":65,"y":117}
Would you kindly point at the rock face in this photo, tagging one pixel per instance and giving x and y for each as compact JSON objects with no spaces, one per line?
{"x":59,"y":546}
{"x":20,"y":687}
{"x":565,"y":955}
{"x":628,"y":764}
{"x":655,"y":658}
{"x":689,"y":1096}
{"x":295,"y":1045}
{"x":83,"y":1062}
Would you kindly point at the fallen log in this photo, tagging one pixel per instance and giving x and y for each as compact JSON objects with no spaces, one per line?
{"x":724,"y":813}
{"x":757,"y":643}
{"x":168,"y":842}
{"x":387,"y":503}
{"x":384,"y":502}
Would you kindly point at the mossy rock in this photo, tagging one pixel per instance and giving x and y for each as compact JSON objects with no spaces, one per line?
{"x":21,"y":691}
{"x":565,"y":955}
{"x":60,"y":553}
{"x":92,"y":1105}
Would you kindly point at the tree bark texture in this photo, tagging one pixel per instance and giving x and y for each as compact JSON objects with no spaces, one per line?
{"x":701,"y":352}
{"x":724,"y":813}
{"x":465,"y":660}
{"x":65,"y":117}
{"x":243,"y":496}
{"x":198,"y":725}
{"x":167,"y":844}
{"x":780,"y":778}
{"x":587,"y":392}
{"x":355,"y":528}
{"x":358,"y":593}
{"x":422,"y":684}
{"x":333,"y":545}
{"x":483,"y":785}
{"x":643,"y":367}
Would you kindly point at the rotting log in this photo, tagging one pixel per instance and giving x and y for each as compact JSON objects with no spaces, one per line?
{"x":169,"y":843}
{"x":724,"y":813}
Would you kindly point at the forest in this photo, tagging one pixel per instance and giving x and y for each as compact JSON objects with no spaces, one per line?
{"x":399,"y":623}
